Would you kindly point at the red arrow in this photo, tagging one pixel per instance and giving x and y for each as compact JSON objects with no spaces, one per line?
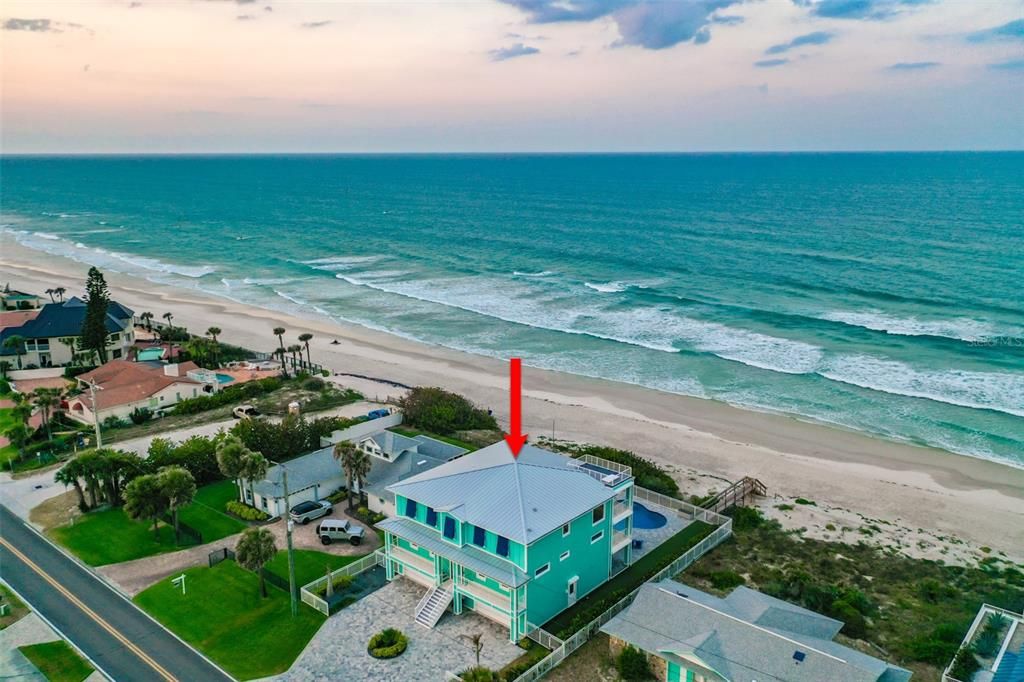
{"x":516,"y":439}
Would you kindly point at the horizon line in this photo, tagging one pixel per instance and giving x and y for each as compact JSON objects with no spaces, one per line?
{"x":751,"y":152}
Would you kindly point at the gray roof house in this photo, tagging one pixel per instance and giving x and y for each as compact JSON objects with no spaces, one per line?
{"x":745,"y":637}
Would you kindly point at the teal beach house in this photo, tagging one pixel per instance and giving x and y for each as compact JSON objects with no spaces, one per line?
{"x":517,"y":540}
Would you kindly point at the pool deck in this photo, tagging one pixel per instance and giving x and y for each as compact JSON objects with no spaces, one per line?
{"x":652,"y":537}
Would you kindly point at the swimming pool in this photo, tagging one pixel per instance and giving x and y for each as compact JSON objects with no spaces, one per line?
{"x":150,"y":354}
{"x":644,"y":518}
{"x":224,"y":378}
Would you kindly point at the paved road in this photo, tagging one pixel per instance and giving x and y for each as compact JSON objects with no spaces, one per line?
{"x":112,"y":631}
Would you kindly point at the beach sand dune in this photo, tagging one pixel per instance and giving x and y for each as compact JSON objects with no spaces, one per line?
{"x":705,"y":443}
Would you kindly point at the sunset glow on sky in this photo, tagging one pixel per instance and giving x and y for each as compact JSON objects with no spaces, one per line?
{"x":512,"y":75}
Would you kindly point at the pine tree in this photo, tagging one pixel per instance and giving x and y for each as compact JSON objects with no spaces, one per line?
{"x":94,"y":326}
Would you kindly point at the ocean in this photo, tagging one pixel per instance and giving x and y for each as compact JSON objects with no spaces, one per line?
{"x":878,"y":292}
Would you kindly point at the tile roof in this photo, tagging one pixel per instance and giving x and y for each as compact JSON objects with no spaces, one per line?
{"x":750,"y":637}
{"x":472,"y":558}
{"x":520,"y":498}
{"x":124,"y":382}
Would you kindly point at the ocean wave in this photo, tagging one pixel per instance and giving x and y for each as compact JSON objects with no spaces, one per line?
{"x":542,"y":273}
{"x":339,"y":262}
{"x":961,"y":328}
{"x":116,"y":261}
{"x":269,"y":281}
{"x":46,"y":235}
{"x":607,"y":287}
{"x":999,"y":391}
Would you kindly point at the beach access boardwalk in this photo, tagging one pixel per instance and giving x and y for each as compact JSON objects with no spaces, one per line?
{"x":121,"y":640}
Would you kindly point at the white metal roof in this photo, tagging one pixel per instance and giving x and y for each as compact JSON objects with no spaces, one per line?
{"x":520,"y":498}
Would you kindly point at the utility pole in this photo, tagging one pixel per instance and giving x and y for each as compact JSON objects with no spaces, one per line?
{"x":95,"y":412}
{"x":288,"y":532}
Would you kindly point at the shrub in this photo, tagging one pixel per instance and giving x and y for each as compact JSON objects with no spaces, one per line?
{"x":245,"y":512}
{"x":723,"y":580}
{"x":363,"y":512}
{"x":114,"y":422}
{"x":479,"y":674}
{"x":938,"y":646}
{"x":228,"y":396}
{"x":745,"y":518}
{"x":314,"y":384}
{"x":854,"y":624}
{"x":987,"y":644}
{"x":325,"y":373}
{"x":387,"y":644}
{"x":140,"y":415}
{"x":632,"y":665}
{"x":197,"y":454}
{"x":443,"y":413}
{"x":5,"y":387}
{"x":964,"y":665}
{"x":804,"y":500}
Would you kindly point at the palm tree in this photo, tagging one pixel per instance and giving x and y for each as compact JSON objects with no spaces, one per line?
{"x":179,"y":488}
{"x":170,"y":336}
{"x":214,"y":332}
{"x":17,"y":344}
{"x":279,"y":333}
{"x":5,"y":367}
{"x":47,"y":400}
{"x":296,"y":351}
{"x":253,"y":468}
{"x":49,"y":292}
{"x":18,"y":434}
{"x":147,"y":319}
{"x":68,"y":475}
{"x":356,"y":464}
{"x":254,"y":549}
{"x":230,"y":453}
{"x":60,"y":291}
{"x":306,"y":338}
{"x":144,"y":499}
{"x":72,"y":343}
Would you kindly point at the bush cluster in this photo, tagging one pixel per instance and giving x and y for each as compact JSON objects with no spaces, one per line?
{"x":289,"y":438}
{"x":387,"y":644}
{"x":228,"y":396}
{"x":632,"y":665}
{"x":442,"y":412}
{"x":245,"y":512}
{"x":724,"y":580}
{"x":479,"y":674}
{"x":140,"y":415}
{"x":197,"y":454}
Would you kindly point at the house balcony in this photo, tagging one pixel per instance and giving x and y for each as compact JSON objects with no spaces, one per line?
{"x":621,"y":510}
{"x":619,"y":541}
{"x":486,"y":594}
{"x":412,"y":560}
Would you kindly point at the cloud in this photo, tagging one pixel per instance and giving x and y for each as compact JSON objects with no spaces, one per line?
{"x":913,"y":66}
{"x":769,"y":63}
{"x":316,"y":24}
{"x":511,"y":52}
{"x":816,"y":38}
{"x":34,"y":25}
{"x":1012,"y":65}
{"x":859,"y":9}
{"x":652,"y":24}
{"x":1011,"y":31}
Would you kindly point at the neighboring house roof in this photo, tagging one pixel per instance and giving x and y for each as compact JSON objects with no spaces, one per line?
{"x":520,"y":498}
{"x":439,"y":449}
{"x":745,"y":637}
{"x":124,"y":382}
{"x":16,"y":318}
{"x":303,"y":472}
{"x":472,"y":558}
{"x":392,"y":443}
{"x":65,"y":319}
{"x":384,"y":473}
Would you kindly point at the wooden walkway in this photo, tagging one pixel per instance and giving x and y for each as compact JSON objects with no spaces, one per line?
{"x":737,"y":494}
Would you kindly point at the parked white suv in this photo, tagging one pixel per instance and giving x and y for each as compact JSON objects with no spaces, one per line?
{"x":330,"y":530}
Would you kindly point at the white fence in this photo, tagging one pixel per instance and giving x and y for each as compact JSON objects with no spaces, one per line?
{"x":684,"y":509}
{"x":561,"y":652}
{"x":308,"y":592}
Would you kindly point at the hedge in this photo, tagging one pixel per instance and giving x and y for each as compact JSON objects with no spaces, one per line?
{"x":245,"y":512}
{"x":387,"y":644}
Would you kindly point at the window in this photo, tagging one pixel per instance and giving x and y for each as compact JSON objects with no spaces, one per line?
{"x":598,"y":514}
{"x":542,"y":570}
{"x":449,"y":528}
{"x":410,"y":508}
{"x":565,"y":555}
{"x":596,"y":536}
{"x":479,"y":536}
{"x":431,"y":517}
{"x":565,"y":530}
{"x":502,"y":547}
{"x":381,"y":500}
{"x":263,"y":502}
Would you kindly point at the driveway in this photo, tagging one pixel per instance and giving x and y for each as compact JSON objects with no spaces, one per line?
{"x":338,"y":650}
{"x":132,"y":577}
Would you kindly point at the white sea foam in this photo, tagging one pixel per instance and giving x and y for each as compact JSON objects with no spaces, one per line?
{"x":1000,"y":391}
{"x":542,"y":273}
{"x":339,"y":262}
{"x":268,"y":281}
{"x":607,"y":287}
{"x":46,"y":235}
{"x":960,"y":328}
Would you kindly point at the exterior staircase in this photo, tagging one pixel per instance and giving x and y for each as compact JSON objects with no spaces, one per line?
{"x":736,"y":494}
{"x":433,"y":605}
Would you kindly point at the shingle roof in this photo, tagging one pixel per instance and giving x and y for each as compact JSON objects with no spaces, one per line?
{"x":303,"y":472}
{"x":683,"y":624}
{"x":472,"y":558}
{"x":393,"y":443}
{"x":439,"y":449}
{"x":384,"y":473}
{"x":520,"y":498}
{"x":65,"y":319}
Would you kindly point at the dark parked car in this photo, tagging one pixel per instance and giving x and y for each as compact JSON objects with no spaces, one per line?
{"x":304,"y":512}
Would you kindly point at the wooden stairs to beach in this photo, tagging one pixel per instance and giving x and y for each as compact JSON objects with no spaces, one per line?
{"x":736,"y":494}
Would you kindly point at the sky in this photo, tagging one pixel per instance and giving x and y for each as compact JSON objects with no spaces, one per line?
{"x":178,"y":76}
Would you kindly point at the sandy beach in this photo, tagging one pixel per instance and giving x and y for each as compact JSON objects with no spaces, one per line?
{"x":929,"y":502}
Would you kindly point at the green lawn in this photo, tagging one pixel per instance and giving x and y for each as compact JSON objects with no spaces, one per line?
{"x":7,"y":420}
{"x":15,"y":609}
{"x":57,"y":661}
{"x":223,"y":615}
{"x":309,"y":564}
{"x":411,"y":433}
{"x":206,"y":513}
{"x":110,"y":537}
{"x":598,"y":601}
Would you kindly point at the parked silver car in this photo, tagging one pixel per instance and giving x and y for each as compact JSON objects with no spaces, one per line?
{"x":304,"y":512}
{"x":330,"y":530}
